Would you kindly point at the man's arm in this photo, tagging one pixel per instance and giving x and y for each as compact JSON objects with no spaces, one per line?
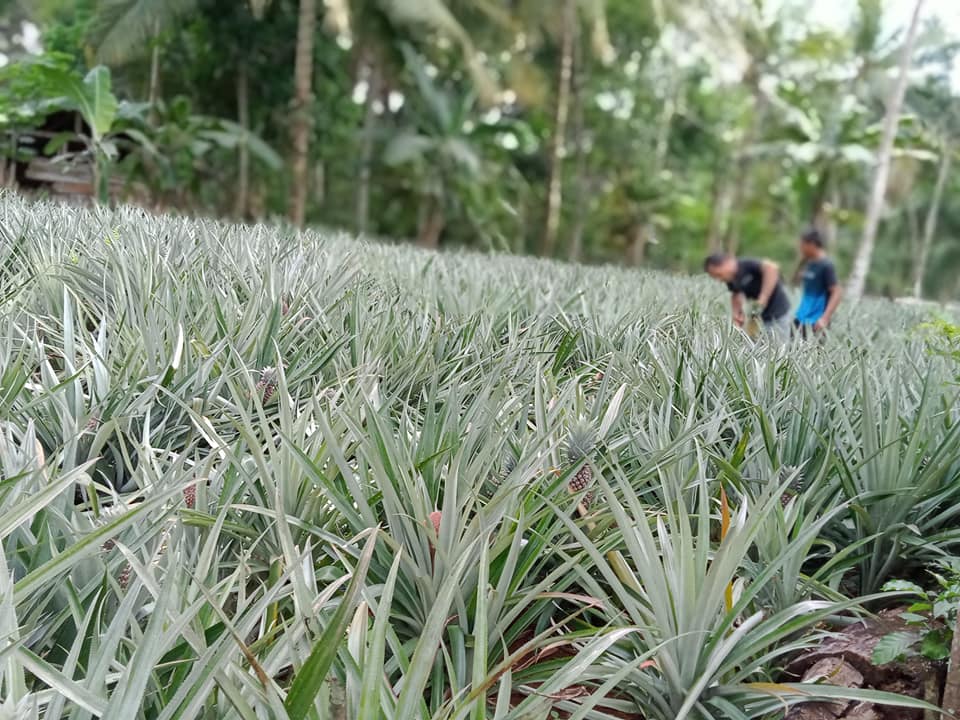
{"x":736,"y":302}
{"x":771,"y":275}
{"x":836,"y":295}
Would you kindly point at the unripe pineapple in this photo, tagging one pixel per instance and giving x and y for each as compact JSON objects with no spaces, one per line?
{"x":267,"y":385}
{"x":125,"y":574}
{"x":190,"y":496}
{"x":506,"y":469}
{"x":581,"y":443}
{"x":797,"y":484}
{"x":435,"y":518}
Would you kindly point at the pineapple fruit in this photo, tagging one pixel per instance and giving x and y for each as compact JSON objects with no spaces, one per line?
{"x":190,"y":496}
{"x":797,"y":485}
{"x":267,"y":385}
{"x":124,"y":578}
{"x":581,"y":442}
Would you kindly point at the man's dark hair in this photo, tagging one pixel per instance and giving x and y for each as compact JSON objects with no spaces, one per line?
{"x":813,"y":237}
{"x":715,"y":260}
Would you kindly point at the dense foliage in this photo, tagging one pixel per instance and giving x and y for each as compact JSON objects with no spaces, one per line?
{"x":625,"y":131}
{"x":246,"y":469}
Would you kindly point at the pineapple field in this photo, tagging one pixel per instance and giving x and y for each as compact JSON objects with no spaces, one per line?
{"x":252,"y":473}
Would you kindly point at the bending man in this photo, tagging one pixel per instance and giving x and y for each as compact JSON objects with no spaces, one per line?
{"x":758,"y":281}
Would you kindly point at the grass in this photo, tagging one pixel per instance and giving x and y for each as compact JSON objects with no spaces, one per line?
{"x":252,"y":473}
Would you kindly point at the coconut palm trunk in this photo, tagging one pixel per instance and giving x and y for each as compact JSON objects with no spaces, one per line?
{"x":580,"y":180}
{"x":643,"y":232}
{"x":891,"y":123}
{"x":243,"y":150}
{"x":951,"y":687}
{"x":367,"y":138}
{"x":433,"y":221}
{"x":558,"y":140}
{"x":303,"y":96}
{"x":930,"y":226}
{"x":153,"y":94}
{"x":740,"y":187}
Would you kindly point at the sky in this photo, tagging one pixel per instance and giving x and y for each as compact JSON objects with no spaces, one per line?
{"x":898,"y":14}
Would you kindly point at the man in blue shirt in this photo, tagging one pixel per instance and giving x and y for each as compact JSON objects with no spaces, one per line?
{"x":821,"y":291}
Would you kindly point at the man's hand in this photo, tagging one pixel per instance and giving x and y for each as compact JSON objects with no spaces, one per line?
{"x":739,"y":319}
{"x":771,"y":276}
{"x":821,"y":325}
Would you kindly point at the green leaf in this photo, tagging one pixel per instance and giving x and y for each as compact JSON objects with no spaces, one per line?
{"x":943,"y":608}
{"x":893,"y":647}
{"x":936,"y":645}
{"x":421,"y":664}
{"x":259,"y":149}
{"x":407,"y":147}
{"x":55,"y":143}
{"x":373,"y":671}
{"x":91,"y":97}
{"x":98,"y":103}
{"x":309,"y":679}
{"x":54,"y":679}
{"x":904,"y":586}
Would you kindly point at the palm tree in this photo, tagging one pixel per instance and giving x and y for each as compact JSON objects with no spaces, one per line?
{"x":557,"y":148}
{"x":438,"y":149}
{"x":303,"y":97}
{"x":747,"y":36}
{"x":124,"y":29}
{"x":377,"y":28}
{"x":891,"y":123}
{"x":933,"y":214}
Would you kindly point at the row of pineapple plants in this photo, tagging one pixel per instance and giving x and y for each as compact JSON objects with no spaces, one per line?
{"x":253,"y":473}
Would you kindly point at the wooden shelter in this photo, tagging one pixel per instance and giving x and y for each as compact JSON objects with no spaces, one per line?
{"x":66,"y":171}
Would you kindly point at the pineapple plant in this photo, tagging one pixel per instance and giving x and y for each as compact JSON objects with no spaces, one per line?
{"x":581,"y":442}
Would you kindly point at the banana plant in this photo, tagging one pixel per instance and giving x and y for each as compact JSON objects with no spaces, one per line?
{"x":55,"y":86}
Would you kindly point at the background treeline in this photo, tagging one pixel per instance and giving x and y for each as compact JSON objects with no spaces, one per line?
{"x":628,"y":131}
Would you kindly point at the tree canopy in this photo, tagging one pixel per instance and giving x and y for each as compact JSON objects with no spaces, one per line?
{"x":642,"y":133}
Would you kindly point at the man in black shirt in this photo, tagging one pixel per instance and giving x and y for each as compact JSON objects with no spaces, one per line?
{"x":757,"y":280}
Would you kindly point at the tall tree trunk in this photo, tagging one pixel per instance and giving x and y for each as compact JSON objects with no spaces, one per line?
{"x":644,"y":231}
{"x":367,"y":139}
{"x":891,"y":123}
{"x":639,"y":238}
{"x":243,"y":151}
{"x":558,"y":141}
{"x":153,"y":94}
{"x":720,"y":212}
{"x":581,"y":181}
{"x":320,"y":183}
{"x":951,"y":688}
{"x":303,"y":96}
{"x":830,"y":221}
{"x":744,"y":163}
{"x":930,"y":226}
{"x":432,"y":223}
